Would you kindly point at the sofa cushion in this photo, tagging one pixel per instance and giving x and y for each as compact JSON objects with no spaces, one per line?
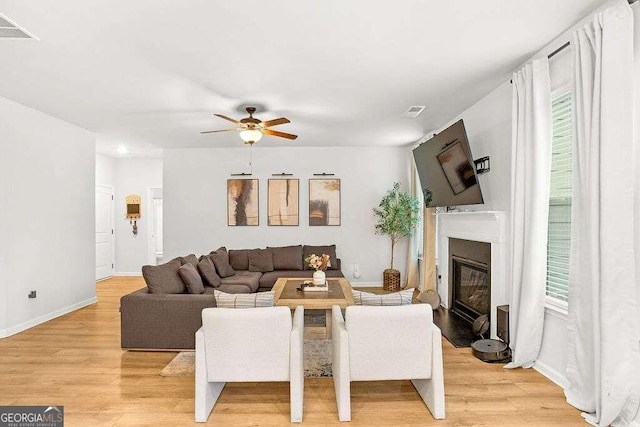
{"x":260,"y":299}
{"x":220,"y":258}
{"x":248,"y":279}
{"x":207,"y":270}
{"x":287,"y":257}
{"x":191,"y":259}
{"x":239,"y":259}
{"x":234,"y":289}
{"x":330,"y":250}
{"x":191,"y":278}
{"x":396,"y":298}
{"x":164,"y":278}
{"x":260,"y":260}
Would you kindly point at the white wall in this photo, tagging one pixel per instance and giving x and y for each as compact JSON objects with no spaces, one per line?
{"x":133,"y":176}
{"x":105,"y":170}
{"x":552,"y":360}
{"x":195,"y":201}
{"x":47,"y":217}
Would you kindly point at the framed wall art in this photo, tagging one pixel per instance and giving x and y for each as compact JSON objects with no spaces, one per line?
{"x":324,"y":201}
{"x":283,"y":202}
{"x":242,"y":202}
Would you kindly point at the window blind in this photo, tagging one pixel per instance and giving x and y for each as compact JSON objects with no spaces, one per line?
{"x":559,"y":243}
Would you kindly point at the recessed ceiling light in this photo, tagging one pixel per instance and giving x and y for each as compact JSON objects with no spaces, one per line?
{"x":414,"y":110}
{"x":123,"y":150}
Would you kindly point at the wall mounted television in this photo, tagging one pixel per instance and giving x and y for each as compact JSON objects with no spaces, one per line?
{"x":446,"y":169}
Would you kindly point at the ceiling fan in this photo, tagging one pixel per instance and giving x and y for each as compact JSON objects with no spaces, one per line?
{"x":252,"y":129}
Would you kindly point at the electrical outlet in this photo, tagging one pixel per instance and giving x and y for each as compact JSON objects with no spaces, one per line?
{"x":356,"y":271}
{"x":352,"y":268}
{"x":32,"y":294}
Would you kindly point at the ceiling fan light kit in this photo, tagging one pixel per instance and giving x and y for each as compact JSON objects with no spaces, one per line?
{"x":250,"y":136}
{"x":252,"y":129}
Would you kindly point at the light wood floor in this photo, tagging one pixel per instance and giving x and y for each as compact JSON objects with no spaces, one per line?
{"x":76,"y":361}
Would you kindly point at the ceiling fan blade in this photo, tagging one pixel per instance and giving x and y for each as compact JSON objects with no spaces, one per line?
{"x":280,"y":134}
{"x":227,"y":118}
{"x":280,"y":121}
{"x":222,"y":130}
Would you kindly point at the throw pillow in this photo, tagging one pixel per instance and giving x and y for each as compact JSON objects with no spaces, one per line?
{"x":396,"y":298}
{"x":287,"y":258}
{"x":208,"y":272}
{"x":164,"y":278}
{"x":260,"y":260}
{"x":191,"y":259}
{"x":239,"y":259}
{"x":220,"y":259}
{"x":319,"y":250}
{"x":191,"y":278}
{"x":259,"y":299}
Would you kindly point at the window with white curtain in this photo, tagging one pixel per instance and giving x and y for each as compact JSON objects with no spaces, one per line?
{"x":559,"y":244}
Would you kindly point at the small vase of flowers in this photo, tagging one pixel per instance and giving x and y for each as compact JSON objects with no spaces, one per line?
{"x":319,"y":263}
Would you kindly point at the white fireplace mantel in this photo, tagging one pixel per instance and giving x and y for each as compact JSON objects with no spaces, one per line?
{"x":487,"y":226}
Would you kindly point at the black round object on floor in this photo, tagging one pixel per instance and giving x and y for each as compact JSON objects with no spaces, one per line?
{"x":481,"y":325}
{"x":491,"y":351}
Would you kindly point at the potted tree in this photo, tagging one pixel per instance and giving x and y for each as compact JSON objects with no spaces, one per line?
{"x":397,"y":215}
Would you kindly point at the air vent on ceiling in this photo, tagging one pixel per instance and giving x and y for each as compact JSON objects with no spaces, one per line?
{"x":11,"y":30}
{"x":413,"y":111}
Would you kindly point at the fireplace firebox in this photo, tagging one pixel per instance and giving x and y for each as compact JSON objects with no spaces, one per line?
{"x":471,"y":288}
{"x":469,"y":278}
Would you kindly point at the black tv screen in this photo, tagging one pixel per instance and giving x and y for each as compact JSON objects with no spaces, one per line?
{"x":446,"y":169}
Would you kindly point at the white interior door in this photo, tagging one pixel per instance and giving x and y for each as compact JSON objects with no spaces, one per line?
{"x":104,"y":232}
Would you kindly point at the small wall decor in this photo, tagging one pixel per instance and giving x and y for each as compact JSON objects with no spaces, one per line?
{"x":242,"y":202}
{"x":324,"y":201}
{"x":282,"y":203}
{"x":133,"y":206}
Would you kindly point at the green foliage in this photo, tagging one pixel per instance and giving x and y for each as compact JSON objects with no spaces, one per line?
{"x":397,"y":215}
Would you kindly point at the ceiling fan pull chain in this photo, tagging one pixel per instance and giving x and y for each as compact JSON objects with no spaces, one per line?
{"x":251,"y":158}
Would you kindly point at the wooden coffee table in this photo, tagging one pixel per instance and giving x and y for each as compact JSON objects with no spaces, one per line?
{"x":339,"y":293}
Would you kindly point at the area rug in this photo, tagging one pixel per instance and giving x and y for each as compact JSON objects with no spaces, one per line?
{"x":183,"y":365}
{"x":317,"y":361}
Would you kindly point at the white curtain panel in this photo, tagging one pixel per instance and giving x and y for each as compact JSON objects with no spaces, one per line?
{"x":602,"y":288}
{"x":412,"y":275}
{"x":530,"y":176}
{"x":631,"y":411}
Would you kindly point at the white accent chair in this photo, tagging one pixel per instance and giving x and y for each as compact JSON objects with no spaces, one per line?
{"x":387,"y":343}
{"x":248,"y":344}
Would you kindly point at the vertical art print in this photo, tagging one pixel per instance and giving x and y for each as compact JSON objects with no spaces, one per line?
{"x":324,"y":202}
{"x":282,"y":204}
{"x":242,"y":202}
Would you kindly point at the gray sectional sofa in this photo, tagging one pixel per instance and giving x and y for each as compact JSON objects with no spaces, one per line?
{"x":167,"y":313}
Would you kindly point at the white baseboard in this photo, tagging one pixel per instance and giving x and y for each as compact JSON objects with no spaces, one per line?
{"x":46,"y":317}
{"x":551,"y":373}
{"x":126,"y":273}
